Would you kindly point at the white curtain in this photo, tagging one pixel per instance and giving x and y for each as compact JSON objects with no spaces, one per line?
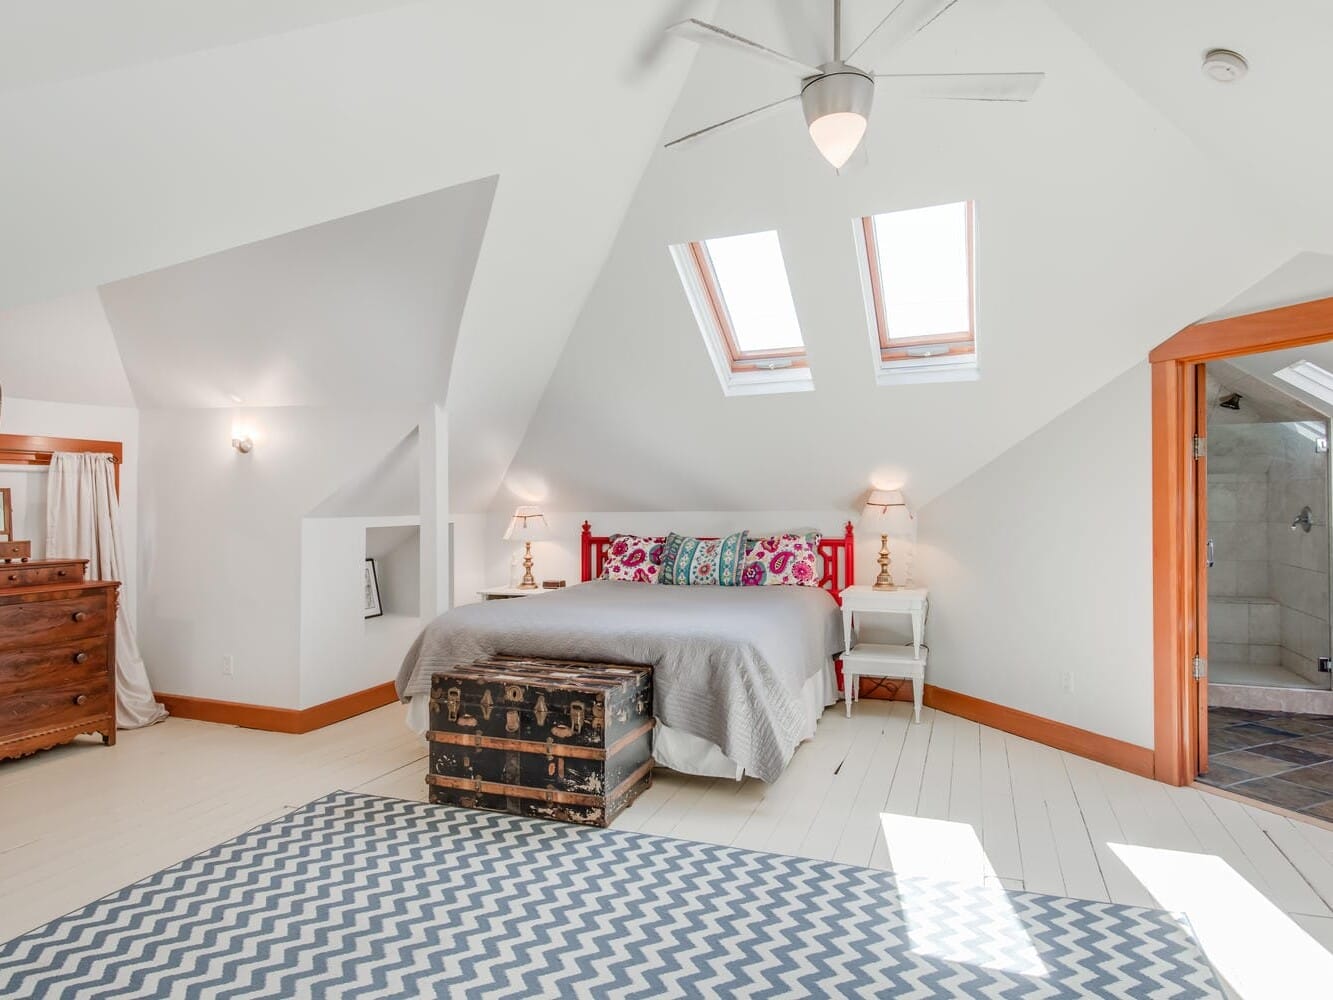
{"x":83,"y":522}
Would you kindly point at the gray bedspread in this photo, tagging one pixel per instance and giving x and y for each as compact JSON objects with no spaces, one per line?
{"x":729,"y":662}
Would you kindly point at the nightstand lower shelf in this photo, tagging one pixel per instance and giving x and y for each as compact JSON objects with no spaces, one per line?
{"x":872,"y":659}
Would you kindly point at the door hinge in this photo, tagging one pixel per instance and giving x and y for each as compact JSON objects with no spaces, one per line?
{"x":1200,"y":447}
{"x":1200,"y":667}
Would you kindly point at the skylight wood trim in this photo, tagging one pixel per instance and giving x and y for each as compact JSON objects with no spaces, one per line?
{"x":962,"y":342}
{"x":740,"y":361}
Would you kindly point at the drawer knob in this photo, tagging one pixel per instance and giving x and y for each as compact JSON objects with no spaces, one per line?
{"x":80,"y":699}
{"x":80,"y":657}
{"x":80,"y":615}
{"x":13,"y":576}
{"x":62,"y":572}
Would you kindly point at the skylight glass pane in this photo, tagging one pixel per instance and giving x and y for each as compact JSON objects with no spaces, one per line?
{"x":1309,"y":377}
{"x":923,"y":271}
{"x":752,"y":279}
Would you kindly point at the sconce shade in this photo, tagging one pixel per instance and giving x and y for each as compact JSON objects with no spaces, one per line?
{"x":527,"y":525}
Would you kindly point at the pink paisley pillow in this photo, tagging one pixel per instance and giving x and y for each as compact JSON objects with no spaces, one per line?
{"x":633,"y":558}
{"x":782,"y":560}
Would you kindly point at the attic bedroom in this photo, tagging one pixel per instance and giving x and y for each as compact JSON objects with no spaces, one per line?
{"x":696,"y":498}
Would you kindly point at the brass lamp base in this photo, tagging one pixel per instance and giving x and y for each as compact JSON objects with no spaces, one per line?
{"x":884,"y":581}
{"x":528,"y":582}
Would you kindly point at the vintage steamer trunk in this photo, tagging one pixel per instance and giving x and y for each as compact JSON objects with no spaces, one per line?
{"x":555,"y":739}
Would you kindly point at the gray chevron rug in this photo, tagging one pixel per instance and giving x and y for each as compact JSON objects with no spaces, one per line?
{"x":361,"y":896}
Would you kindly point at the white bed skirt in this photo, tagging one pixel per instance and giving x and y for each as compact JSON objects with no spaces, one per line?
{"x":682,"y":751}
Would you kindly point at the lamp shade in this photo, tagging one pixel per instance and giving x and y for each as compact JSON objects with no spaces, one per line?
{"x":527,"y":525}
{"x":879,"y":503}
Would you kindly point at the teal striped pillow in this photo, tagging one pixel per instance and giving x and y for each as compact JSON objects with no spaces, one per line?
{"x":708,"y":562}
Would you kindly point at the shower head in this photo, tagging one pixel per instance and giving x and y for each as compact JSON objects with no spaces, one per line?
{"x":1231,"y":401}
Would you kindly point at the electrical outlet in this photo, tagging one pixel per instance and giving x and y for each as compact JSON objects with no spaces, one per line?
{"x":1324,"y":667}
{"x":1067,"y":682}
{"x":228,"y":665}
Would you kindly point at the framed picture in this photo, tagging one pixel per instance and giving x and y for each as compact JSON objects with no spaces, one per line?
{"x":6,"y":515}
{"x":371,"y":590}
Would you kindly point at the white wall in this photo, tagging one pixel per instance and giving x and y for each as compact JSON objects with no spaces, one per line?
{"x":221,"y":551}
{"x":1040,"y":569}
{"x":342,"y":651}
{"x":98,"y":423}
{"x":484,"y":559}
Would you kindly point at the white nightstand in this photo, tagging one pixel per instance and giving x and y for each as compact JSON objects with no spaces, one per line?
{"x":504,"y":593}
{"x":871,"y":659}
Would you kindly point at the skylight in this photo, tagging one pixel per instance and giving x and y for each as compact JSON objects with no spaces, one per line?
{"x":917,"y":275}
{"x":742,"y":301}
{"x":1309,"y":377}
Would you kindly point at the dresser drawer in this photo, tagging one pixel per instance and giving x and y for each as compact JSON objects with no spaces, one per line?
{"x":32,"y":573}
{"x":81,"y":661}
{"x":26,"y":624}
{"x":60,"y":702}
{"x":15,"y":550}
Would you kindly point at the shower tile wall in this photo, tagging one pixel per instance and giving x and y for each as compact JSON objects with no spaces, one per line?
{"x":1269,"y":586}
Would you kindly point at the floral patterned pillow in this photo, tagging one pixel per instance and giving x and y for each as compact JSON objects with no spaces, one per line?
{"x":695,"y":562}
{"x":778,"y":560}
{"x":633,"y":558}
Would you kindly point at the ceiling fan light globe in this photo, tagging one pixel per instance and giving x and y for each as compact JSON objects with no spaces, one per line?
{"x":837,"y":110}
{"x":837,"y":135}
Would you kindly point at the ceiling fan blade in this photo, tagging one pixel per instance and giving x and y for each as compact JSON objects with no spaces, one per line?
{"x":742,"y":119}
{"x":900,"y":24}
{"x":962,"y":86}
{"x":710,"y":34}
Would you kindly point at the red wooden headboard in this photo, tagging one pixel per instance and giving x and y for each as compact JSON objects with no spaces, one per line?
{"x":836,"y":554}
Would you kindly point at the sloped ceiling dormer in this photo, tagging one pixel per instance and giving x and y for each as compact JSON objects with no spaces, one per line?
{"x":62,"y":351}
{"x":1101,"y":230}
{"x":360,"y":311}
{"x":194,"y":137}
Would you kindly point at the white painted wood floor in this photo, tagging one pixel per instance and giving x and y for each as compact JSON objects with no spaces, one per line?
{"x":946,"y":798}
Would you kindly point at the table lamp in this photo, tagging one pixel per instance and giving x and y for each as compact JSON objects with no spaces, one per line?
{"x":528,"y":525}
{"x":876,"y":518}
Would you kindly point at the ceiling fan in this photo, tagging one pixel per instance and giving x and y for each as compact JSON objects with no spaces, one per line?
{"x":836,"y":96}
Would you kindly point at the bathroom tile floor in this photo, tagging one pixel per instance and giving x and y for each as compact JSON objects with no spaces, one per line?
{"x":1275,"y":757}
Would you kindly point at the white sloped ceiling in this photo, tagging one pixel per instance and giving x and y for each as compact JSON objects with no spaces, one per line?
{"x":1268,"y":128}
{"x":138,"y":159}
{"x":361,"y":311}
{"x":1102,"y":229}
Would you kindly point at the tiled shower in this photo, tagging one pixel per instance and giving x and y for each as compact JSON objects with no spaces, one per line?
{"x":1268,"y":520}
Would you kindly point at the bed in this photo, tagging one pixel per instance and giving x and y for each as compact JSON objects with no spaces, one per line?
{"x":741,"y":674}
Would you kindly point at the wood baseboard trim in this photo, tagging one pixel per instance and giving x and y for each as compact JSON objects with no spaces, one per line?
{"x":1103,"y":749}
{"x":278,"y":720}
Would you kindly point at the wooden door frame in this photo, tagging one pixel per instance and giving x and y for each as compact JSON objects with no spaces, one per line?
{"x":1176,"y":566}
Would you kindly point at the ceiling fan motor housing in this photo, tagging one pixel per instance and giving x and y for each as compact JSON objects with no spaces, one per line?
{"x":839,"y":89}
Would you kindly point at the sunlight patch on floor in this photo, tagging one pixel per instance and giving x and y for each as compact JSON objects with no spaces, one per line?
{"x":925,"y":852}
{"x":1260,"y":951}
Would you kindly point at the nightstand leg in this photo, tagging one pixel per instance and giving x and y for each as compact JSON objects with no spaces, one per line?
{"x":918,"y":625}
{"x":917,"y":686}
{"x":848,"y":686}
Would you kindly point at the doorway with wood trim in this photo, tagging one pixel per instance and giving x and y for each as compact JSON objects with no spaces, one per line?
{"x":1250,"y":423}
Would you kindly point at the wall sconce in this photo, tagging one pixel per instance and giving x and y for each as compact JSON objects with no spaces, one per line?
{"x":243,"y":438}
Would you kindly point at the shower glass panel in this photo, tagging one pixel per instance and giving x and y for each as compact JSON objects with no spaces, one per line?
{"x":1268,"y":520}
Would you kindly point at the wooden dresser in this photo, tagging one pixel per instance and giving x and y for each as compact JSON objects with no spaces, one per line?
{"x":57,"y":655}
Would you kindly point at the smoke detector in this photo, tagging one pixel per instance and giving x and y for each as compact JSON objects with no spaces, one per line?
{"x":1224,"y":66}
